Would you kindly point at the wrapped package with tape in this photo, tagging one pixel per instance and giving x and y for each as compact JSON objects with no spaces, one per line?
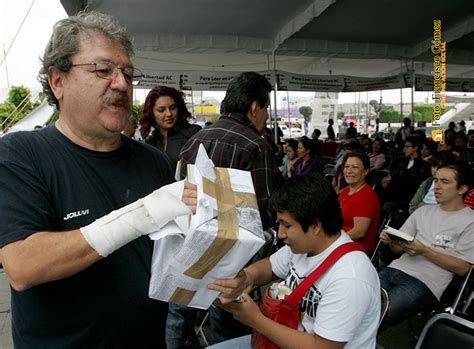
{"x":216,"y":242}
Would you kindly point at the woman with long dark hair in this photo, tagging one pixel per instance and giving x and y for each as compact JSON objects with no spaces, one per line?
{"x":164,"y":121}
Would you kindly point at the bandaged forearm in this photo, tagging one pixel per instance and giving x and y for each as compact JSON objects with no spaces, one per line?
{"x":141,"y":217}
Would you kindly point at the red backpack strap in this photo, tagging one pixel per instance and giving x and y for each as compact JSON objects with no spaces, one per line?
{"x":298,"y":293}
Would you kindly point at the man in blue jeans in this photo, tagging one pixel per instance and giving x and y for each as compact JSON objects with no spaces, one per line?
{"x":443,"y":246}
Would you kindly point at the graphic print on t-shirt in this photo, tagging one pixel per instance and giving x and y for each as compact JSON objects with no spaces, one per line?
{"x":309,"y":302}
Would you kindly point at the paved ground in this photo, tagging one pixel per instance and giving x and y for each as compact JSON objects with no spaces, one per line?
{"x":5,"y":315}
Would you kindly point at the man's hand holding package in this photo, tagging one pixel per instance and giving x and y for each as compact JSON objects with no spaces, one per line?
{"x":142,"y":217}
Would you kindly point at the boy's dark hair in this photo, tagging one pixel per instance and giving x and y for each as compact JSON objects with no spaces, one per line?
{"x":462,"y":170}
{"x":415,"y":141}
{"x":317,"y":132}
{"x":353,"y":146}
{"x":243,"y":90}
{"x":292,"y":143}
{"x":310,"y":145}
{"x":309,"y":199}
{"x":442,"y":157}
{"x":431,"y":145}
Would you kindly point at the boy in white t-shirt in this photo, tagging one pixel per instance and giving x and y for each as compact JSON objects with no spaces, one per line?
{"x":342,"y":308}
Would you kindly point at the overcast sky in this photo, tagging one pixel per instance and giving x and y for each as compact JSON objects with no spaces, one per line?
{"x":22,"y":62}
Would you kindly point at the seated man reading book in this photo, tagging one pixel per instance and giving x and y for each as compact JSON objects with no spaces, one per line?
{"x":443,"y":245}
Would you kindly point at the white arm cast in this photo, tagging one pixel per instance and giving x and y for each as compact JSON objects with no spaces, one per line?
{"x":142,"y":217}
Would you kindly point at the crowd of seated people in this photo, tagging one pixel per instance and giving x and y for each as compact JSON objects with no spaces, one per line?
{"x":398,"y":188}
{"x":430,"y":198}
{"x":414,"y":185}
{"x":441,"y":219}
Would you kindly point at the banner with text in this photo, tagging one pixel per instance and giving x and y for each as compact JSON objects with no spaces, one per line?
{"x":218,"y":81}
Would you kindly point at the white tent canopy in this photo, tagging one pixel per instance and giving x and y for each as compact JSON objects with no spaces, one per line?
{"x":369,"y":38}
{"x":37,"y":118}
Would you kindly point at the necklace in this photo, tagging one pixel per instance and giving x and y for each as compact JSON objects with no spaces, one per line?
{"x":356,"y":190}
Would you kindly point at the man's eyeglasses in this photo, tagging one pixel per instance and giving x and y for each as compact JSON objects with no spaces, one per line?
{"x":109,"y":71}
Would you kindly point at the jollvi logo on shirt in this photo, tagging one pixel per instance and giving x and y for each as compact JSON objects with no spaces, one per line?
{"x":76,"y":214}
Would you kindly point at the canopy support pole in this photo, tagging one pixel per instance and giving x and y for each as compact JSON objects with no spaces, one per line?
{"x":412,"y":92}
{"x":275,"y":119}
{"x":401,"y":95}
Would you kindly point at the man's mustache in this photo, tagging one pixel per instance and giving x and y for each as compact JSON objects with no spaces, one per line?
{"x":119,"y":98}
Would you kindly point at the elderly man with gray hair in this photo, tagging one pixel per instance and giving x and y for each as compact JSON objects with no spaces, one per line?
{"x":78,"y":198}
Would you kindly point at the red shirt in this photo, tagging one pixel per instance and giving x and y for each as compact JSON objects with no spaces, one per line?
{"x":363,"y":203}
{"x":469,"y":199}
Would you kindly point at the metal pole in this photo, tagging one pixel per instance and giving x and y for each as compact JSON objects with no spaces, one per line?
{"x":192,"y":105}
{"x":367,"y":117}
{"x":288,"y":105}
{"x":413,"y":92}
{"x":275,"y":121}
{"x":359,"y":112}
{"x":401,"y":96}
{"x":271,"y":107}
{"x":6,"y":69}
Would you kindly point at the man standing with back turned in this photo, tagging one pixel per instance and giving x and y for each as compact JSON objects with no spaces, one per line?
{"x":73,"y":233}
{"x":235,"y":141}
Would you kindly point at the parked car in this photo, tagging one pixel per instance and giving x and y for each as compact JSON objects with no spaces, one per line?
{"x":286,"y":131}
{"x":296,"y":132}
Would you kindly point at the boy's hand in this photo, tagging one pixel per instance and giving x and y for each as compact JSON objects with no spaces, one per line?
{"x":230,"y":289}
{"x":246,"y":311}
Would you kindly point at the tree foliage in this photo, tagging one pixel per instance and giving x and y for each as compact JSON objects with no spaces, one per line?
{"x":6,"y":109}
{"x":426,"y":112}
{"x":136,"y":108}
{"x":421,"y":112}
{"x":20,"y":96}
{"x":378,"y":107}
{"x":389,"y":115}
{"x":306,"y":112}
{"x":17,"y":105}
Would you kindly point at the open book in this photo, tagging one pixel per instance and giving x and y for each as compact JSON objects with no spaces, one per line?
{"x":398,"y":235}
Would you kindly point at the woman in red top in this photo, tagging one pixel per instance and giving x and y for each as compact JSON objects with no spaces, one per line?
{"x":359,"y":203}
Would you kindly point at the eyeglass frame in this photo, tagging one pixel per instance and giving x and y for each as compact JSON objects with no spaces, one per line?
{"x":130,"y":78}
